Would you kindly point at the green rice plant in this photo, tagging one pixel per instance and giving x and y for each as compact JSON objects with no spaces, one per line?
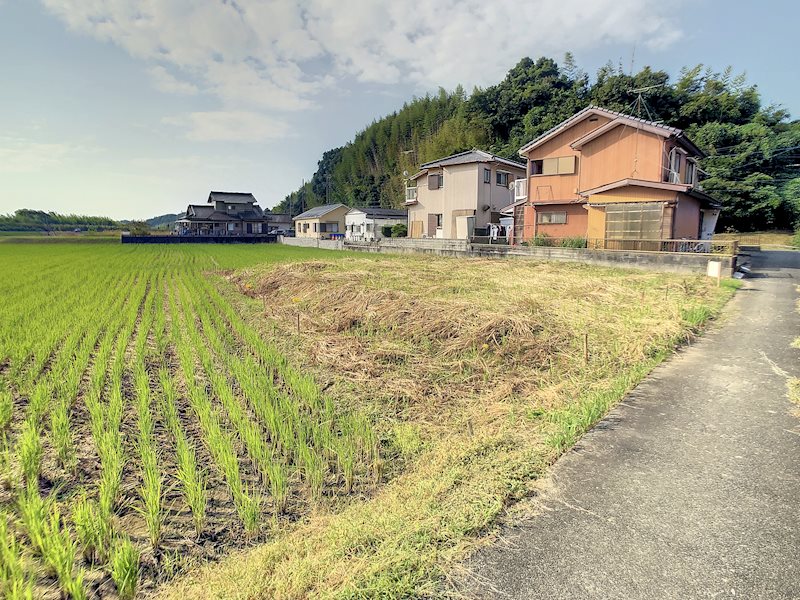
{"x":248,"y":505}
{"x":151,"y":494}
{"x":313,"y":470}
{"x":125,"y":567}
{"x":92,"y":528}
{"x":194,"y":484}
{"x":58,"y":553}
{"x":346,"y":457}
{"x":29,"y":450}
{"x":50,"y":539}
{"x":6,"y":409}
{"x":15,"y":580}
{"x":61,"y":436}
{"x":109,"y":448}
{"x":278,"y":485}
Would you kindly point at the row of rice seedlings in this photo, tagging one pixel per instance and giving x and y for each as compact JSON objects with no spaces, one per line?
{"x":218,"y":442}
{"x":68,"y":386}
{"x":250,"y":433}
{"x":151,"y":488}
{"x":51,"y":539}
{"x":298,"y":431}
{"x":16,"y":579}
{"x":192,"y":479}
{"x":150,"y":491}
{"x":49,"y":338}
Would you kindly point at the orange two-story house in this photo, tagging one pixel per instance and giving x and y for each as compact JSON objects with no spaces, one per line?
{"x":604,"y":175}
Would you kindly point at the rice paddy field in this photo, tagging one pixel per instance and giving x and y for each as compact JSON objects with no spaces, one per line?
{"x":276,"y":422}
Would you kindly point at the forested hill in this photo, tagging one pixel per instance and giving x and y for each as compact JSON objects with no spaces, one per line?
{"x":754,"y":150}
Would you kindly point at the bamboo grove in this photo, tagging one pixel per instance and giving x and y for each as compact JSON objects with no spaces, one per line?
{"x":142,"y":416}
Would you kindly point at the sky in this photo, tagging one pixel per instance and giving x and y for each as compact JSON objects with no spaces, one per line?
{"x":132,"y":109}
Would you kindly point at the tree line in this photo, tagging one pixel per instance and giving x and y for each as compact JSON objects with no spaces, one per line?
{"x":753,"y":150}
{"x":26,"y":219}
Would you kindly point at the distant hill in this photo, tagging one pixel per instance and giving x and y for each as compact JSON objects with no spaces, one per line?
{"x":164,"y":221}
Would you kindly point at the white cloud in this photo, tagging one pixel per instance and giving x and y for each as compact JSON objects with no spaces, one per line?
{"x":283,"y":55}
{"x":23,"y":155}
{"x":166,"y":82}
{"x":229,"y":126}
{"x":439,"y":42}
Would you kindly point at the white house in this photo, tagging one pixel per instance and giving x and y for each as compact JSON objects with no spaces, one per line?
{"x":365,"y":224}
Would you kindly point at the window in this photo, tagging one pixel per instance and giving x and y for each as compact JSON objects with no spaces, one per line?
{"x":369,"y":227}
{"x":691,"y":172}
{"x":435,"y":181}
{"x":315,"y":228}
{"x":674,"y":173}
{"x":305,"y":227}
{"x":562,"y":165}
{"x":551,"y":218}
{"x":502,"y":178}
{"x":487,"y":176}
{"x":438,"y":220}
{"x":230,"y":207}
{"x":411,"y":194}
{"x":634,"y":221}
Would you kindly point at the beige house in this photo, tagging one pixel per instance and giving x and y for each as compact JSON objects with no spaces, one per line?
{"x":454,"y":195}
{"x":321,"y":222}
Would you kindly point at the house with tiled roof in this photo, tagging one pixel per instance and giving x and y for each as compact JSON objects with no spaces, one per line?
{"x":605,"y":175}
{"x":227,"y":214}
{"x":452,"y":196}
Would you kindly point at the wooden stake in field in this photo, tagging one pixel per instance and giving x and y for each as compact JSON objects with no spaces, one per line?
{"x":586,"y":347}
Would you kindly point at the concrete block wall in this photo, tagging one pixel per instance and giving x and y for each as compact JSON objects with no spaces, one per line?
{"x":625,"y":259}
{"x":312,"y":243}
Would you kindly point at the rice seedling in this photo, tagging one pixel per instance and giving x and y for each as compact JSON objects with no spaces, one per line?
{"x":92,"y":528}
{"x":61,"y":436}
{"x":16,"y":581}
{"x":29,"y":450}
{"x":6,"y":409}
{"x":125,"y":567}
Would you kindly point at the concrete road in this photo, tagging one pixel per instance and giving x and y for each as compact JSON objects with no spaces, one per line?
{"x":690,"y":488}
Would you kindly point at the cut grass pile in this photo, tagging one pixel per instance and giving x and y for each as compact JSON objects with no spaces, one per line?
{"x":475,"y":373}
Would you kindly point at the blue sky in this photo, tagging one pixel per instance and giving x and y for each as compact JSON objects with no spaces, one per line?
{"x":134,"y":109}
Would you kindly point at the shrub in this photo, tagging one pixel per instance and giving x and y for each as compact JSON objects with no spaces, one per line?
{"x":573,"y":242}
{"x":541,"y":239}
{"x":796,"y":239}
{"x":399,"y":230}
{"x":386,"y":230}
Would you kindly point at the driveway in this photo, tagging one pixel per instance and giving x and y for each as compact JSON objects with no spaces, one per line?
{"x":690,"y":488}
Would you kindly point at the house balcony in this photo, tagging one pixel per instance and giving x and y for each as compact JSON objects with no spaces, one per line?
{"x":411,"y":196}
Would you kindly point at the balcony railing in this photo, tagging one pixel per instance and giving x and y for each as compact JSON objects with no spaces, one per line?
{"x":411,"y":195}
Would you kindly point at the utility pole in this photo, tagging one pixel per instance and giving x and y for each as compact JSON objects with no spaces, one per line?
{"x":327,"y":188}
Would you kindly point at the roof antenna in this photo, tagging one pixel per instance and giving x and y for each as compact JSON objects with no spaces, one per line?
{"x":633,"y":58}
